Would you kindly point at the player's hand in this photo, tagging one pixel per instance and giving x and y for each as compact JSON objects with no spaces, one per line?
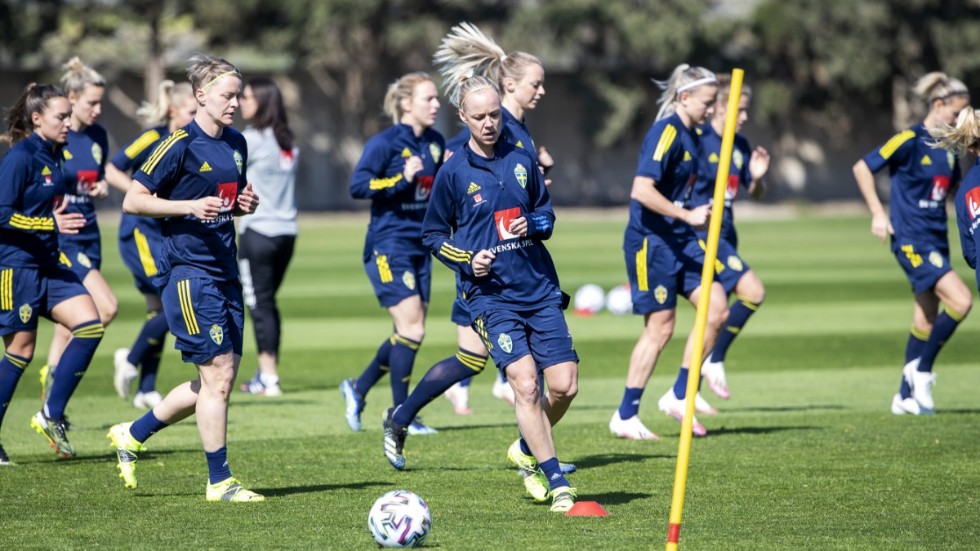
{"x":881,"y":227}
{"x":698,"y":216}
{"x":99,"y":190}
{"x":205,"y":208}
{"x":545,"y":160}
{"x":759,"y":163}
{"x":547,"y":182}
{"x":68,"y":223}
{"x":446,"y":155}
{"x":248,"y":201}
{"x":481,"y":263}
{"x":518,"y":226}
{"x":413,"y":165}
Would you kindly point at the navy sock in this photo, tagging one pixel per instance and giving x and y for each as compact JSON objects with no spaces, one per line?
{"x":913,"y":349}
{"x":402,"y":358}
{"x":680,"y":385}
{"x":376,"y":369}
{"x":630,"y":405}
{"x":436,"y":380}
{"x":552,"y":470}
{"x":11,"y":369}
{"x":146,"y":426}
{"x":147,"y":349}
{"x":738,"y":316}
{"x":942,"y":330}
{"x":525,"y":449}
{"x":502,"y":376}
{"x":218,"y":468}
{"x":85,"y":338}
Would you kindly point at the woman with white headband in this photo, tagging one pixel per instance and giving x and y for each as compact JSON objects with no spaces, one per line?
{"x":663,"y":256}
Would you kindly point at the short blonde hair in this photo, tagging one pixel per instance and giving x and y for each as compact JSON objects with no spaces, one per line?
{"x":939,"y":86}
{"x":206,"y":70}
{"x":77,"y":75}
{"x":684,"y":78}
{"x":474,"y":84}
{"x":402,"y":88}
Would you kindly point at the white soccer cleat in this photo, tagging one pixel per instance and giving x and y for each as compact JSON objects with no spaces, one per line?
{"x":630,"y":429}
{"x":675,"y":407}
{"x":903,"y":406}
{"x":921,"y":383}
{"x":459,"y":396}
{"x":702,"y":406}
{"x":714,"y":374}
{"x":503,"y":391}
{"x":147,"y":400}
{"x":125,"y":372}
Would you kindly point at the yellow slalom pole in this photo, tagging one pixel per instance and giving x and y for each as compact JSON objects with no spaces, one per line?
{"x":701,"y":320}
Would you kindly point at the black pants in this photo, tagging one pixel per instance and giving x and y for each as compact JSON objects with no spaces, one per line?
{"x":263,"y":261}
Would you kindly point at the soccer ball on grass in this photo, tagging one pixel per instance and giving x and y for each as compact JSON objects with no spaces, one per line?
{"x":399,"y":518}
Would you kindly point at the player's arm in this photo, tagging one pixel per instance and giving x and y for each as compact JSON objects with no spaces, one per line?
{"x":15,"y":171}
{"x":369,"y":181}
{"x":141,"y":201}
{"x":645,"y":192}
{"x":540,"y":222}
{"x":439,"y":225}
{"x":894,"y":151}
{"x":657,"y":157}
{"x":130,"y":157}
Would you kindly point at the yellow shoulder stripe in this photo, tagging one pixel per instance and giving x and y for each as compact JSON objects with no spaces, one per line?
{"x":162,"y":150}
{"x":141,"y":143}
{"x":895,"y":142}
{"x":382,"y":183}
{"x":666,"y":140}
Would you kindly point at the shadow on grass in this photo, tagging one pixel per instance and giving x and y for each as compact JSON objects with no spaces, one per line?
{"x":756,"y":430}
{"x":783,"y":409}
{"x":83,"y":459}
{"x":315,"y":488}
{"x":593,"y":461}
{"x":613,"y":498}
{"x":475,"y":427}
{"x":961,"y":411}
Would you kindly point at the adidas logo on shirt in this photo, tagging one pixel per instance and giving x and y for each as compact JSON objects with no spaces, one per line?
{"x":205,"y":167}
{"x":926,"y":160}
{"x":472,"y":189}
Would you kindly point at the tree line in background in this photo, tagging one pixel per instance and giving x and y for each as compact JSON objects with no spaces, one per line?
{"x":819,"y":65}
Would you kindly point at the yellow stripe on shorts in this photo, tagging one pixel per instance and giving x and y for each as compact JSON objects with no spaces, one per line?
{"x":384,"y":270}
{"x":642,"y":279}
{"x":7,"y":289}
{"x":146,"y":255}
{"x":187,"y":307}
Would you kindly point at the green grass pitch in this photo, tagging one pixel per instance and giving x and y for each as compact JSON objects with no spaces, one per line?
{"x":806,"y":454}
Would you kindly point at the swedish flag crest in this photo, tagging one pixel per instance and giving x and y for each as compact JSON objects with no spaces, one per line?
{"x":506,"y":344}
{"x":97,"y":153}
{"x":435,"y":151}
{"x":217,"y":334}
{"x":660,"y":293}
{"x":25,"y":313}
{"x":238,"y":161}
{"x":521,"y":174}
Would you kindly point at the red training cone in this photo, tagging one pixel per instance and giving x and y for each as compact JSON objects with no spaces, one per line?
{"x":587,"y":509}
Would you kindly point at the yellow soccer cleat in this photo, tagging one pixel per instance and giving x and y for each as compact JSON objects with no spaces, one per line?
{"x":54,"y":431}
{"x":126,"y":449}
{"x":562,"y":499}
{"x":230,"y":490}
{"x":534,"y":480}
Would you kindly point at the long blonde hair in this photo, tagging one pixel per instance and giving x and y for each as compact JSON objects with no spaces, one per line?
{"x":963,"y":137}
{"x":683,"y":79}
{"x":401,"y":89}
{"x":467,"y":52}
{"x":169,"y":94}
{"x":77,"y":75}
{"x":939,"y":86}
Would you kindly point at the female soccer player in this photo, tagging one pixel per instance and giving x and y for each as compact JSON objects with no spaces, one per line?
{"x":747,"y":168}
{"x":141,"y":242}
{"x":396,"y":172}
{"x":85,"y":158}
{"x":196,"y":180}
{"x":921,"y":177}
{"x":489,"y":215}
{"x":268,"y":238}
{"x":663,"y":255}
{"x":33,"y":282}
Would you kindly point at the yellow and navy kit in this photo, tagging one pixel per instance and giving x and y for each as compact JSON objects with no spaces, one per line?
{"x":921,"y":178}
{"x":31,"y":179}
{"x":189,"y":165}
{"x":669,"y":155}
{"x":967,"y":203}
{"x":397,"y":205}
{"x":128,"y":160}
{"x":473,"y":203}
{"x":738,"y":175}
{"x":85,"y":157}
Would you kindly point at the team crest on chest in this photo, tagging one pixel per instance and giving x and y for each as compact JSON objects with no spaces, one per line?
{"x":660,"y":293}
{"x":435,"y":151}
{"x":97,"y":153}
{"x":238,"y":161}
{"x":408,"y":278}
{"x":506,"y":344}
{"x":217,"y":334}
{"x":738,"y":159}
{"x":25,"y":313}
{"x":521,"y":174}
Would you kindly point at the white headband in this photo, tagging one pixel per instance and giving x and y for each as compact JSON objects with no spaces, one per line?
{"x":696,"y":83}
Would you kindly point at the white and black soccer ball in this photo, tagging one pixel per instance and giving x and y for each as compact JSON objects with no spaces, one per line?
{"x":589,"y":299}
{"x":399,"y":518}
{"x":619,"y":301}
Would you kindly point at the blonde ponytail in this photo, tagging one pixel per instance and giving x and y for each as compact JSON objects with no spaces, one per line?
{"x":964,"y":137}
{"x":683,"y":79}
{"x":399,"y":90}
{"x":78,"y":75}
{"x":169,"y":94}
